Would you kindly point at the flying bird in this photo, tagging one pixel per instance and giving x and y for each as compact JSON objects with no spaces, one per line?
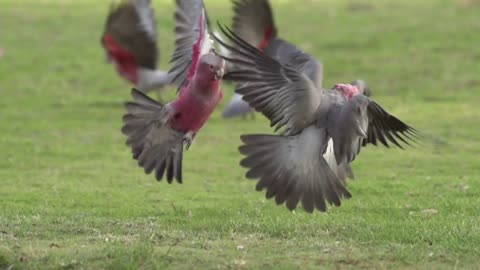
{"x":320,"y":130}
{"x":157,"y":133}
{"x":130,"y":43}
{"x":253,"y":22}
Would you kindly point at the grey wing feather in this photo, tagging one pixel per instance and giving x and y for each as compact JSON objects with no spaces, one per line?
{"x":360,"y":121}
{"x":253,"y":22}
{"x":188,"y":30}
{"x":292,"y":169}
{"x":156,"y":147}
{"x":384,"y":127}
{"x":284,"y":95}
{"x":344,"y":171}
{"x":286,"y":53}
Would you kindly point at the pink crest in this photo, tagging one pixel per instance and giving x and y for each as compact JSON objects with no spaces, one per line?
{"x":348,"y":90}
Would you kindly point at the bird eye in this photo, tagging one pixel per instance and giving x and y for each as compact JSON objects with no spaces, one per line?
{"x":211,"y":66}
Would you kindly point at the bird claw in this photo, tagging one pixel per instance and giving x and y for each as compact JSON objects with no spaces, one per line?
{"x":188,"y":139}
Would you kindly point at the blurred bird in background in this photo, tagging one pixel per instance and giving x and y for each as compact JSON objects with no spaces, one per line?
{"x":253,"y":22}
{"x":130,"y":43}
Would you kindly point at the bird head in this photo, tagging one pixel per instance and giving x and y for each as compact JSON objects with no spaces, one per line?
{"x":211,"y":67}
{"x":362,"y":87}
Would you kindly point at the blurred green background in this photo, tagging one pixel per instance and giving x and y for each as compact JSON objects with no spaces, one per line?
{"x":71,"y":197}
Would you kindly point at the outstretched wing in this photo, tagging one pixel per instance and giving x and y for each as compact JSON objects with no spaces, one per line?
{"x":253,"y":22}
{"x":359,"y":121}
{"x":131,"y":27}
{"x":292,"y":169}
{"x":384,"y":127}
{"x":191,"y":39}
{"x":280,"y":91}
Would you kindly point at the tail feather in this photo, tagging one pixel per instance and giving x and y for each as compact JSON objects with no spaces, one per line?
{"x":155,"y":146}
{"x":292,"y":169}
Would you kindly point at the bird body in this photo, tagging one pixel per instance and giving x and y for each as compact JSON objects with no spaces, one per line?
{"x":157,"y":133}
{"x":322,"y":131}
{"x":197,"y":100}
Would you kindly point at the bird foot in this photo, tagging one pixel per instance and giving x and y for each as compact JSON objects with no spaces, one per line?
{"x":188,"y":139}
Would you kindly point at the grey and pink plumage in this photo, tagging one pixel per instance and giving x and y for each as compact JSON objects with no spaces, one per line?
{"x":320,"y":132}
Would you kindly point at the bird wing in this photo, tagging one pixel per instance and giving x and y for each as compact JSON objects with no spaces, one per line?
{"x":192,"y":39}
{"x":253,"y":22}
{"x":157,"y":147}
{"x":283,"y":94}
{"x":236,"y":107}
{"x":384,"y":127}
{"x":359,"y":121}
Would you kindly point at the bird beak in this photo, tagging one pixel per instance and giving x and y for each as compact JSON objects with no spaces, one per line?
{"x":219,"y":73}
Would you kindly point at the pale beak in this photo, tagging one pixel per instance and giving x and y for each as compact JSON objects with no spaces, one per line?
{"x":219,"y":73}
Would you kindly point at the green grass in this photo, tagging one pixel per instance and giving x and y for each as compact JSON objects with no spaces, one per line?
{"x":71,"y":197}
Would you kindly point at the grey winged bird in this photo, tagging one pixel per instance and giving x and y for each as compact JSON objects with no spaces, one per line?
{"x":156,"y":133}
{"x":130,"y":43}
{"x":320,"y":130}
{"x":253,"y":22}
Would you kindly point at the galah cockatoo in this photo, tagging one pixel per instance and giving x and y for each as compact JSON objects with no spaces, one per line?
{"x":320,"y":129}
{"x":157,"y":133}
{"x":253,"y":22}
{"x":130,"y":43}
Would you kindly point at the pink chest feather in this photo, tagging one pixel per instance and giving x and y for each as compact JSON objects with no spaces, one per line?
{"x":193,"y":110}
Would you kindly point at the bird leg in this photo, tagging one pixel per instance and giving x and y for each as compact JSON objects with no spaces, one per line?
{"x":188,"y":139}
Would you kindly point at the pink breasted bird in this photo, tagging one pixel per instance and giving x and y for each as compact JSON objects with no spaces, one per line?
{"x":157,"y":133}
{"x":322,"y":130}
{"x":130,"y":43}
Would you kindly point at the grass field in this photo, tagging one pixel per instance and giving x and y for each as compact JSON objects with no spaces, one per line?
{"x":71,"y":197}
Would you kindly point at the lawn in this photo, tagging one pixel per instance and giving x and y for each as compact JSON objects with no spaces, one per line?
{"x":72,"y":197}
